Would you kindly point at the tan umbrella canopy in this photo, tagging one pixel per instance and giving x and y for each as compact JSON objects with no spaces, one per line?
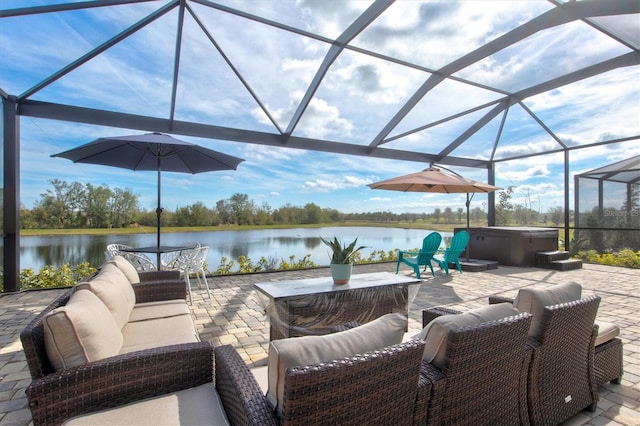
{"x":434,"y":180}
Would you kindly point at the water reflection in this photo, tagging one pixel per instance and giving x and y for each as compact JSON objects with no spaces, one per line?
{"x":36,"y":252}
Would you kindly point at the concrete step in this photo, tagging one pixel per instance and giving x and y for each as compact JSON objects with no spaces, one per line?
{"x":565,"y":264}
{"x":543,"y":258}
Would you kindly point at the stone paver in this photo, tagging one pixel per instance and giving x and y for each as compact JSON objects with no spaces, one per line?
{"x":233,"y":315}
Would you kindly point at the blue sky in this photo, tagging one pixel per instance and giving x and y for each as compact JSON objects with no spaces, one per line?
{"x":357,"y":97}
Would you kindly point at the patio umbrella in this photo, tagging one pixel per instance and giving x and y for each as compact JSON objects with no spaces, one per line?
{"x":151,"y":151}
{"x":434,"y":180}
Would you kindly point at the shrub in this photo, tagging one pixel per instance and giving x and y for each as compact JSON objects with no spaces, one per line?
{"x":624,"y":258}
{"x":50,"y":276}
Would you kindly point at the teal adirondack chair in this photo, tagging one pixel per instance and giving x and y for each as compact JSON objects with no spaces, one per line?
{"x":416,"y":259}
{"x":452,"y":253}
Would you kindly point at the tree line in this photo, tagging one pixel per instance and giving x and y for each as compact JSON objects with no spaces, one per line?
{"x":72,"y":205}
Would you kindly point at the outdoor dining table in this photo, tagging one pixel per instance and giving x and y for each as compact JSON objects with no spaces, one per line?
{"x":158,"y":250}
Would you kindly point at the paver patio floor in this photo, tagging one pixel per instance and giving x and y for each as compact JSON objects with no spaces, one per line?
{"x":234,"y":316}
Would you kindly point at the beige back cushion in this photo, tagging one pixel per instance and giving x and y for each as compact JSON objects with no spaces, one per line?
{"x":127,"y":269}
{"x":436,"y":333}
{"x":533,"y":301}
{"x":300,"y":351}
{"x":81,"y":331}
{"x":115,"y":291}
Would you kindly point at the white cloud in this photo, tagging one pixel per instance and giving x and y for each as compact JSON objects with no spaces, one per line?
{"x":320,"y":185}
{"x":263,"y":153}
{"x":351,"y":181}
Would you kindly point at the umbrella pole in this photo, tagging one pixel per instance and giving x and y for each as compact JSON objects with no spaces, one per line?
{"x":158,"y":217}
{"x":467,"y":203}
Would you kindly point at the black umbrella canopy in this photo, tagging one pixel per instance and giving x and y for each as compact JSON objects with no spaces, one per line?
{"x":145,"y":152}
{"x":151,"y":151}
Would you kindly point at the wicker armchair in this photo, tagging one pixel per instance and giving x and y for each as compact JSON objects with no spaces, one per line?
{"x":378,"y":387}
{"x":608,"y":355}
{"x":561,"y":377}
{"x":483,"y":380}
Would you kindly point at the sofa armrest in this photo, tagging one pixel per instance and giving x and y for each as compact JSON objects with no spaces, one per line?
{"x":425,"y":382}
{"x":500,"y":299}
{"x":239,"y":391}
{"x":430,"y":314}
{"x":160,"y":289}
{"x":119,"y":380}
{"x":432,"y":379}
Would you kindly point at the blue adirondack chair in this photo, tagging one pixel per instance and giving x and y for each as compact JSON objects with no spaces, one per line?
{"x":452,"y":253}
{"x":416,"y":259}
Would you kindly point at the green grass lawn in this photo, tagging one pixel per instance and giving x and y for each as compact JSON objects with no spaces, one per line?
{"x":165,"y":229}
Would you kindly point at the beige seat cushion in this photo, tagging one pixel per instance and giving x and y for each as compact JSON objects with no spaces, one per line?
{"x":534,"y":300}
{"x":299,"y":351}
{"x":115,"y":291}
{"x":196,"y":406}
{"x":81,"y":331}
{"x":127,"y":269}
{"x":158,"y":332}
{"x":435,"y":334}
{"x":159,"y":309}
{"x":606,"y":331}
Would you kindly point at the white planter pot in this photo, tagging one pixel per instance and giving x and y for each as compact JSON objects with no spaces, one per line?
{"x":341,"y":272}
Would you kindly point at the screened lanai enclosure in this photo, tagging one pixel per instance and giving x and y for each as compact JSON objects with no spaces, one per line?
{"x":607,"y":204}
{"x":323,"y":97}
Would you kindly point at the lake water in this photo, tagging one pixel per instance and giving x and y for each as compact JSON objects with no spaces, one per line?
{"x":38,"y":251}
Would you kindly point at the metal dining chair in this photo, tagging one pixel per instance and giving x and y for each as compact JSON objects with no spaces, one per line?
{"x":113,"y":250}
{"x":141,"y":262}
{"x":171,"y":259}
{"x":190,"y":261}
{"x":196,"y":266}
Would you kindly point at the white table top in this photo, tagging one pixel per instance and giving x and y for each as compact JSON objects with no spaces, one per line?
{"x":280,"y":289}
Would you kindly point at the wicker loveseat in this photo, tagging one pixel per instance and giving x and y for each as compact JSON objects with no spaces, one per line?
{"x":124,"y":329}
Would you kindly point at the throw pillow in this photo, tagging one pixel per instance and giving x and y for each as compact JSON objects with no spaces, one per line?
{"x":127,"y":269}
{"x":115,"y":291}
{"x":534,"y":300}
{"x":435,"y":334}
{"x":307,"y":350}
{"x":81,"y":331}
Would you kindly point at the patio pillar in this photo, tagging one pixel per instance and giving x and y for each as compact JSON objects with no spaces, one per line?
{"x":567,"y":205}
{"x":11,"y":194}
{"x":491,"y":200}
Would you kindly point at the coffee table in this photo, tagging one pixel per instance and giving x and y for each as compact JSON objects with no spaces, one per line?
{"x":316,"y":306}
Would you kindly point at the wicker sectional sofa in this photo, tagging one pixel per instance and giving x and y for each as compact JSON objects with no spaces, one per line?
{"x":94,"y":362}
{"x":116,"y":329}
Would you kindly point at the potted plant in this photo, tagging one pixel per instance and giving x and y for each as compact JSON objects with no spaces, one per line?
{"x":341,"y":259}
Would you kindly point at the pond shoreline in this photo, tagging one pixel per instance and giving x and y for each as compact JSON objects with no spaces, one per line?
{"x":177,"y":229}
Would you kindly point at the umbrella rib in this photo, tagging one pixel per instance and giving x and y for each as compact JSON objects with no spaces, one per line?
{"x":87,"y":158}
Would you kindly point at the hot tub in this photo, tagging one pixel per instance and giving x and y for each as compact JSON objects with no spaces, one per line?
{"x":513,"y":246}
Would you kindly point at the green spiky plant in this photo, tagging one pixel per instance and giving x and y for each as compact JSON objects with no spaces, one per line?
{"x":342,"y":254}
